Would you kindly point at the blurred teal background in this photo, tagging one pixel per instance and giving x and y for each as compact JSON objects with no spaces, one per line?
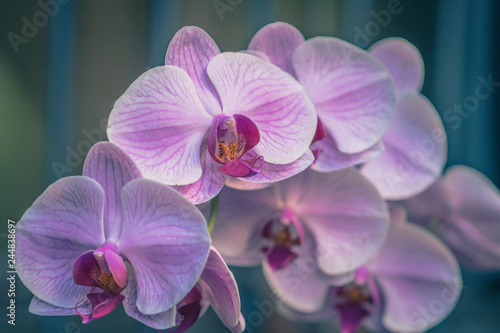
{"x":60,"y":78}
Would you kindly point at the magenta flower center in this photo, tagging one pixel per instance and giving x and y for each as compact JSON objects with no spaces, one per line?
{"x":103,"y":269}
{"x":283,"y":237}
{"x":229,"y":139}
{"x":354,"y":303}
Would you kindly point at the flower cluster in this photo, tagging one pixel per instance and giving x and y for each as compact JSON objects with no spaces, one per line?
{"x":332,"y":162}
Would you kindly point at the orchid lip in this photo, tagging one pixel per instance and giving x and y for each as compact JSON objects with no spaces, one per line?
{"x":229,"y":139}
{"x":354,"y":302}
{"x":104,"y":269}
{"x":284,"y":235}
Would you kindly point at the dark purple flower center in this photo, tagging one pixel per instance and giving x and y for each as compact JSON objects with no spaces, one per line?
{"x":283,"y":237}
{"x":104,"y":269}
{"x":189,"y":310}
{"x":229,"y":139}
{"x":353,"y":303}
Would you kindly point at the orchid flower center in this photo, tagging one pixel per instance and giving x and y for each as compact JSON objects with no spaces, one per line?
{"x":283,"y":237}
{"x":354,"y":302}
{"x":229,"y":140}
{"x":103,"y":269}
{"x":188,"y":310}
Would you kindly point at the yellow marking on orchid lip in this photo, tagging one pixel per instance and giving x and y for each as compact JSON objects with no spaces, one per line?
{"x":231,"y":151}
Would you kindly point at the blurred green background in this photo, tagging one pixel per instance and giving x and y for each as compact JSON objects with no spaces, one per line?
{"x":60,"y":78}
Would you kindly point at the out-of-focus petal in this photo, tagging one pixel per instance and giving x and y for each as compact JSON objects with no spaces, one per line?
{"x":346,"y":215}
{"x":111,"y":168}
{"x":271,"y":98}
{"x":332,"y":159}
{"x":278,"y":41}
{"x":415,"y":149}
{"x":223,"y":292}
{"x":242,"y":216}
{"x":160,"y":123}
{"x":300,"y":285}
{"x":209,"y":184}
{"x":353,"y":93}
{"x":419,"y":278}
{"x":165,"y":238}
{"x":192,"y":49}
{"x":64,"y":222}
{"x":159,"y":321}
{"x":473,"y":230}
{"x":403,"y":61}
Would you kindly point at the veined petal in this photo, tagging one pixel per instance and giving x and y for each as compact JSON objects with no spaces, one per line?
{"x":278,"y":41}
{"x":353,"y":93}
{"x":271,"y":173}
{"x":403,"y":61}
{"x":165,"y":238}
{"x":346,"y":215}
{"x":300,"y":284}
{"x":111,"y":168}
{"x":332,"y":159}
{"x":415,"y":271}
{"x":64,"y":222}
{"x":159,"y":321}
{"x":415,"y":149}
{"x":271,"y":98}
{"x":209,"y":184}
{"x":242,"y":215}
{"x":160,"y":123}
{"x":192,"y":49}
{"x":223,"y":292}
{"x":41,"y":308}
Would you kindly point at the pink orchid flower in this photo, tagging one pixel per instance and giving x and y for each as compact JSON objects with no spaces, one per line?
{"x":411,"y":285}
{"x":92,"y":242}
{"x":333,"y":222}
{"x":463,"y":209}
{"x":352,"y":92}
{"x":415,"y":142}
{"x":207,"y":115}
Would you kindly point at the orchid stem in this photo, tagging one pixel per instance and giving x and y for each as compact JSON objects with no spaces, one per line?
{"x":214,"y":209}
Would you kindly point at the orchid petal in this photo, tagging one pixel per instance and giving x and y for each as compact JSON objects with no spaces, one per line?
{"x":165,"y":238}
{"x":278,"y":41}
{"x":415,"y":150}
{"x":159,"y":321}
{"x":332,"y":159}
{"x":192,"y":49}
{"x":351,"y":315}
{"x":160,"y":123}
{"x":209,"y":184}
{"x":272,"y":173}
{"x":242,"y":168}
{"x":257,"y":54}
{"x":352,"y":92}
{"x":299,"y":284}
{"x":271,"y":98}
{"x":403,"y":61}
{"x":415,"y":271}
{"x":64,"y":222}
{"x":346,"y":215}
{"x":102,"y":304}
{"x":41,"y":308}
{"x":237,"y":233}
{"x":223,"y":292}
{"x":473,"y":230}
{"x":111,"y":168}
{"x":82,"y":269}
